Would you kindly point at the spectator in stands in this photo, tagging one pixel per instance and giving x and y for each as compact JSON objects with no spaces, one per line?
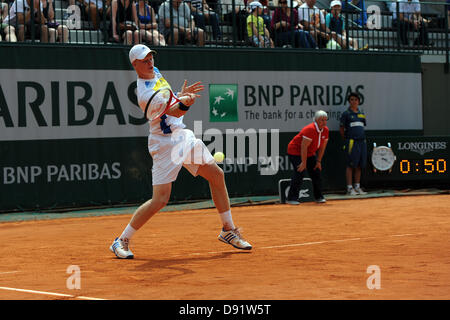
{"x":313,"y":21}
{"x":356,"y":7}
{"x":34,"y":17}
{"x":287,"y":31}
{"x":183,"y":25}
{"x":55,"y":30}
{"x":148,"y":27}
{"x":266,"y":15}
{"x":410,"y":19}
{"x":335,"y":22}
{"x":203,"y":14}
{"x":94,"y":10}
{"x":13,"y":22}
{"x":124,"y":21}
{"x":257,"y":32}
{"x":19,"y":20}
{"x":241,"y":14}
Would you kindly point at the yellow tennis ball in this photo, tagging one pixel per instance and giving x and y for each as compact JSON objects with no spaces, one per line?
{"x":219,"y":156}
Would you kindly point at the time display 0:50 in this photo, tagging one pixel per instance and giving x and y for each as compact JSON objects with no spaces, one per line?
{"x":423,"y":166}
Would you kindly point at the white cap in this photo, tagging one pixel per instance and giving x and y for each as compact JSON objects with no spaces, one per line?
{"x":335,"y":3}
{"x":139,"y":52}
{"x":255,"y":4}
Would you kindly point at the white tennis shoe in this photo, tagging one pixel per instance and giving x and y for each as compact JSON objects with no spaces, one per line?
{"x":360,"y":191}
{"x":121,"y":249}
{"x":234,"y":238}
{"x":352,"y":192}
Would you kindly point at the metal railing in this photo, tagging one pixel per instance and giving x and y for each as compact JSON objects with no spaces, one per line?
{"x":379,"y":25}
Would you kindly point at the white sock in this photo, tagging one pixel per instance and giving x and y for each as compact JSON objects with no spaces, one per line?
{"x":128,"y":232}
{"x":349,"y":187}
{"x":227,"y":220}
{"x":357,"y":185}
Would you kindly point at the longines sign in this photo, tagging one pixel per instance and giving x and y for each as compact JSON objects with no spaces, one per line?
{"x":422,"y":147}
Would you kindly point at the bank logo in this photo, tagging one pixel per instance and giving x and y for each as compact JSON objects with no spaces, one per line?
{"x":422,"y":147}
{"x":223,"y":106}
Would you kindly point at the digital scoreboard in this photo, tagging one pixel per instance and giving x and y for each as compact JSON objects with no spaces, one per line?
{"x":416,"y":159}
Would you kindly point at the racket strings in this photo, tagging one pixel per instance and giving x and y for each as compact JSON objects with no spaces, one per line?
{"x":159,"y":104}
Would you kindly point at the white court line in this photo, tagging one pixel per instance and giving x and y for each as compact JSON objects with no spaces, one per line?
{"x":50,"y":293}
{"x":8,"y":272}
{"x":304,"y":244}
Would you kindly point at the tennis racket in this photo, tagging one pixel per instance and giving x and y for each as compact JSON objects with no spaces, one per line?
{"x":159,"y":103}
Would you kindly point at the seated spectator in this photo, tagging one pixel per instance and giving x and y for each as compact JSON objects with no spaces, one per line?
{"x":34,"y":19}
{"x":14,"y":22}
{"x":358,"y":9}
{"x":313,"y":21}
{"x":266,"y":15}
{"x":184,"y":28}
{"x":257,"y":32}
{"x":335,"y":22}
{"x":241,"y":14}
{"x":286,"y":29}
{"x":410,"y":19}
{"x":203,"y":14}
{"x":55,"y":30}
{"x":124,"y":21}
{"x":148,"y":27}
{"x":94,"y":10}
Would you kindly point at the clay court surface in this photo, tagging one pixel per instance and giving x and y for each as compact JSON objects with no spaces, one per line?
{"x":301,"y":252}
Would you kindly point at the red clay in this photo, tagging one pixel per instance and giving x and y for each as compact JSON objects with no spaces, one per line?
{"x":309,"y":251}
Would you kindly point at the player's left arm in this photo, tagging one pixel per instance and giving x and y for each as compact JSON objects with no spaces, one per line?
{"x":187,"y":96}
{"x":181,"y":108}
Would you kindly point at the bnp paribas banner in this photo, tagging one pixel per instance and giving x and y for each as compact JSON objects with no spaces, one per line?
{"x":68,"y":104}
{"x":71,"y":133}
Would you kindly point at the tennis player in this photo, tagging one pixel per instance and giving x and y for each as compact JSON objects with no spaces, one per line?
{"x":167,"y":138}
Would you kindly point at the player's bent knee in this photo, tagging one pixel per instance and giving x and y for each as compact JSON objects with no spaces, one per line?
{"x":219,"y":173}
{"x":212,"y":172}
{"x":160,"y":202}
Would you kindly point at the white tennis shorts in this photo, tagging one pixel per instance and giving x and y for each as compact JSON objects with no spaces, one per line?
{"x":171,"y":152}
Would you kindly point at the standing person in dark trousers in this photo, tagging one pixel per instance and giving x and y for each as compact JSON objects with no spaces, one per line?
{"x":352,"y":131}
{"x":305,"y":152}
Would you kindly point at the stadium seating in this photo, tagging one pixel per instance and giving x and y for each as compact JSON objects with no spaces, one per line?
{"x":381,"y":39}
